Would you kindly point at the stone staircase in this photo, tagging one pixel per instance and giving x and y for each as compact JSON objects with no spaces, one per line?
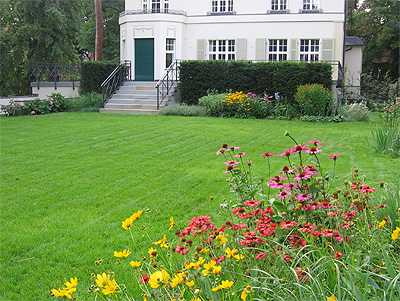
{"x":133,"y":98}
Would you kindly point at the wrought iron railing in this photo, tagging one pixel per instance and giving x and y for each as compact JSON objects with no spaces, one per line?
{"x":165,"y":84}
{"x":115,"y":80}
{"x":153,"y":11}
{"x":54,"y":72}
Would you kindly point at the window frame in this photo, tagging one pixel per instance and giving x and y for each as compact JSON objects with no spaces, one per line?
{"x":222,"y":50}
{"x":221,"y":6}
{"x":169,"y":50}
{"x":309,"y":50}
{"x":311,"y":5}
{"x":277,"y":50}
{"x":278,"y":5}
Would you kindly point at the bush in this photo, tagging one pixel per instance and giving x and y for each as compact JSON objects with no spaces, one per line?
{"x":213,"y":102}
{"x":93,"y":74}
{"x":90,"y":102}
{"x":307,"y":118}
{"x":354,"y":112}
{"x":183,"y":110}
{"x":197,"y":77}
{"x":13,"y":109}
{"x":314,"y":100}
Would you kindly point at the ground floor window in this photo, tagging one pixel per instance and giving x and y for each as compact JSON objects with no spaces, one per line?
{"x":170,"y":52}
{"x":221,"y":50}
{"x":309,"y":50}
{"x":277,"y":50}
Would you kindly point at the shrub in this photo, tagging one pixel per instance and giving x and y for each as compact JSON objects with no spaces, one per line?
{"x":307,"y":118}
{"x":93,"y":74}
{"x":90,"y":102}
{"x":197,"y":77}
{"x":213,"y":102}
{"x":314,"y":100}
{"x":55,"y":103}
{"x":183,"y":110}
{"x":354,"y":112}
{"x":13,"y":109}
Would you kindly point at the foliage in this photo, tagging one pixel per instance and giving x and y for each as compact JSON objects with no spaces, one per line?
{"x":354,"y":112}
{"x":90,"y":102}
{"x":314,"y":100}
{"x":213,"y":102}
{"x":93,"y":74}
{"x":304,"y":234}
{"x":183,"y":110}
{"x":386,"y":135}
{"x":35,"y":31}
{"x":377,"y":22}
{"x":55,"y":103}
{"x":307,"y":118}
{"x":86,"y":38}
{"x":197,"y":77}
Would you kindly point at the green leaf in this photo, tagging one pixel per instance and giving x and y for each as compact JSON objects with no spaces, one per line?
{"x":366,"y":279}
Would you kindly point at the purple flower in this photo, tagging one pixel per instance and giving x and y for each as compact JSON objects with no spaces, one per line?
{"x":33,"y":112}
{"x":334,"y":156}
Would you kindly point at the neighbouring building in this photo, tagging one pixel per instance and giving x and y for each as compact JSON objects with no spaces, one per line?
{"x":156,"y":32}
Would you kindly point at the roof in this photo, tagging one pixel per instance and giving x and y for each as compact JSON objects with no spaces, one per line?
{"x":354,"y":41}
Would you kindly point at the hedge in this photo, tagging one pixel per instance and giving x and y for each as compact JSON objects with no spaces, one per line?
{"x":93,"y":74}
{"x":197,"y":77}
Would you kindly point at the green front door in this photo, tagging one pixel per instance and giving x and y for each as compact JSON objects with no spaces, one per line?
{"x":144,"y":59}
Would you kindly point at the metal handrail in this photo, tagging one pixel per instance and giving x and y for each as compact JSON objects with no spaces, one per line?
{"x":165,"y":84}
{"x":153,"y":11}
{"x":115,"y":80}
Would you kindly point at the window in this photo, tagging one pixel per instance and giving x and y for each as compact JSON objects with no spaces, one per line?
{"x":170,"y":52}
{"x":145,"y":7}
{"x":166,"y":6}
{"x":309,"y":50}
{"x":277,"y":50}
{"x":278,"y":5}
{"x":155,"y":6}
{"x":221,"y":6}
{"x":221,"y":50}
{"x":310,"y":5}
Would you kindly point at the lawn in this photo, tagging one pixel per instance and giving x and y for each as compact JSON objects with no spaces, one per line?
{"x":68,"y":180}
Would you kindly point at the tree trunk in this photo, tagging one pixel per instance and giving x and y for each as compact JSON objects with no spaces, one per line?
{"x":98,"y":49}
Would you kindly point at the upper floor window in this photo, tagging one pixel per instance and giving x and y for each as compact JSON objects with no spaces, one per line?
{"x":278,"y":5}
{"x":310,"y":4}
{"x":309,"y":50}
{"x":277,"y":50}
{"x":155,"y":6}
{"x":145,"y":5}
{"x":221,"y":6}
{"x":166,"y":5}
{"x":221,"y":50}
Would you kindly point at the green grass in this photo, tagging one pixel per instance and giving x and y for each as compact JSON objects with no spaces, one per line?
{"x":68,"y":180}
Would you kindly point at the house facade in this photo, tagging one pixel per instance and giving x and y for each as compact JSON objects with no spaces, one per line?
{"x":156,"y":32}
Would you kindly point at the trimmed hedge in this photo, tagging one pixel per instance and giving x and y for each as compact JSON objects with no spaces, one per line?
{"x":196,"y":77}
{"x":93,"y":74}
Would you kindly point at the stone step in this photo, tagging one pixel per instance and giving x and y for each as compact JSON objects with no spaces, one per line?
{"x":134,"y":100}
{"x":129,"y":111}
{"x":130,"y":106}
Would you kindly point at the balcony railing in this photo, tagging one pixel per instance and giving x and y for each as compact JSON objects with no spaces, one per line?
{"x":153,"y":11}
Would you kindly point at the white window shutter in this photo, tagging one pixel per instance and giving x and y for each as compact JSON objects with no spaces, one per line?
{"x":201,"y":49}
{"x":241,"y":49}
{"x":261,"y":45}
{"x":293,"y":50}
{"x":328,"y":46}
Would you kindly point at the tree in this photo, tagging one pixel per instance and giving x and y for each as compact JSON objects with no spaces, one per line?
{"x":99,"y":31}
{"x":377,"y":22}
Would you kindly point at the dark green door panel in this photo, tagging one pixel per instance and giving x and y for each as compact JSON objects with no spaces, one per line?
{"x":144,"y":59}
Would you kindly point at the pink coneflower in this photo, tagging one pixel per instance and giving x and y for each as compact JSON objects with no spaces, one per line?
{"x":315,"y":142}
{"x":232,"y":163}
{"x":287,"y":153}
{"x":239,"y":155}
{"x":283,"y":195}
{"x":300,"y":148}
{"x":221,"y":151}
{"x":313,"y":150}
{"x":302,"y":176}
{"x":302,"y":197}
{"x":334,"y":156}
{"x":251,"y":203}
{"x":265,"y":155}
{"x":230,"y":168}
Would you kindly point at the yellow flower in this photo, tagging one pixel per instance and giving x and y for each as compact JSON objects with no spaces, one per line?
{"x":136,"y":215}
{"x":110,"y":288}
{"x":246,"y":291}
{"x":211,"y":268}
{"x":172,"y":222}
{"x":123,"y":254}
{"x":196,"y":265}
{"x":151,"y":251}
{"x":128,"y":223}
{"x":73,"y":282}
{"x":190,"y":283}
{"x":224,"y":285}
{"x":159,"y":278}
{"x":230,"y":253}
{"x":222,"y":239}
{"x":381,"y":224}
{"x":331,"y":298}
{"x":202,"y":251}
{"x":163,"y":242}
{"x":135,"y":264}
{"x":238,"y":257}
{"x":102,"y":280}
{"x":63,"y":293}
{"x":396,"y":234}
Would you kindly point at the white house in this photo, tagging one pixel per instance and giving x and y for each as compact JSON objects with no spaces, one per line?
{"x":156,"y":32}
